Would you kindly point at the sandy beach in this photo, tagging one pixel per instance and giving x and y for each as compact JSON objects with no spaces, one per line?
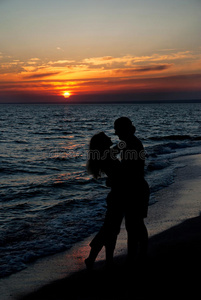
{"x":171,"y":270}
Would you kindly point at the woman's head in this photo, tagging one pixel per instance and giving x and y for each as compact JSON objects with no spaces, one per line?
{"x":99,"y":144}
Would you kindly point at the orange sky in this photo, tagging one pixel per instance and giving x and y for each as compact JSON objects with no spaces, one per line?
{"x":156,"y":52}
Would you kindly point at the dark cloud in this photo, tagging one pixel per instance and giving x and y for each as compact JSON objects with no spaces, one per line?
{"x":36,"y":76}
{"x":143,"y":69}
{"x":153,"y":68}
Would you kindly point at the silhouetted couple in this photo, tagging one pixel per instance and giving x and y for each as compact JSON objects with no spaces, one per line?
{"x":129,"y":195}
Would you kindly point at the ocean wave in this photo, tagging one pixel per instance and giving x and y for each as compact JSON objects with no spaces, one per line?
{"x":15,"y":207}
{"x":157,"y":165}
{"x":21,"y":142}
{"x":175,"y":138}
{"x":62,"y":206}
{"x":173,"y":146}
{"x":45,"y":185}
{"x":16,"y":170}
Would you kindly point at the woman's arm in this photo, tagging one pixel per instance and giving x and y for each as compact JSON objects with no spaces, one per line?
{"x":113,"y":169}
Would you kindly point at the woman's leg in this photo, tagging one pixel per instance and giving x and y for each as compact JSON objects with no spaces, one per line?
{"x":96,"y":245}
{"x":106,"y":236}
{"x":113,"y":225}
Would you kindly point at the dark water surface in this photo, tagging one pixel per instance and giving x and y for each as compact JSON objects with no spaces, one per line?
{"x":48,"y":202}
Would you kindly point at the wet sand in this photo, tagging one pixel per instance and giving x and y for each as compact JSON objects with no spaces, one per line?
{"x":171,"y":270}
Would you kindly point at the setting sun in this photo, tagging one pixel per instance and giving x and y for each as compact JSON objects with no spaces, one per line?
{"x":66,"y":94}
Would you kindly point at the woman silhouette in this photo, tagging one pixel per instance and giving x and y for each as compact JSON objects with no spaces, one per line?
{"x":102,"y":159}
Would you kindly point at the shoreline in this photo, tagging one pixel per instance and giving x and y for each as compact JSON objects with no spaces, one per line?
{"x":180,"y":200}
{"x":165,"y":214}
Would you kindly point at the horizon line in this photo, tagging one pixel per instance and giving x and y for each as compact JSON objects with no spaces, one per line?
{"x":111,"y":102}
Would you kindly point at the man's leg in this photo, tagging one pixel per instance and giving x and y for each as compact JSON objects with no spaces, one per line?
{"x":137,"y":238}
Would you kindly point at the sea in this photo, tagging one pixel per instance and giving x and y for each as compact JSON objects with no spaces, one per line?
{"x":48,"y":201}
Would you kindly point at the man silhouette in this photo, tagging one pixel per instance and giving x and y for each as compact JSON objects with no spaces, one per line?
{"x":135,"y":189}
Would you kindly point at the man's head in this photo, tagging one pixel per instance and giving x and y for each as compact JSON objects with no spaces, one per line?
{"x":124,"y":128}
